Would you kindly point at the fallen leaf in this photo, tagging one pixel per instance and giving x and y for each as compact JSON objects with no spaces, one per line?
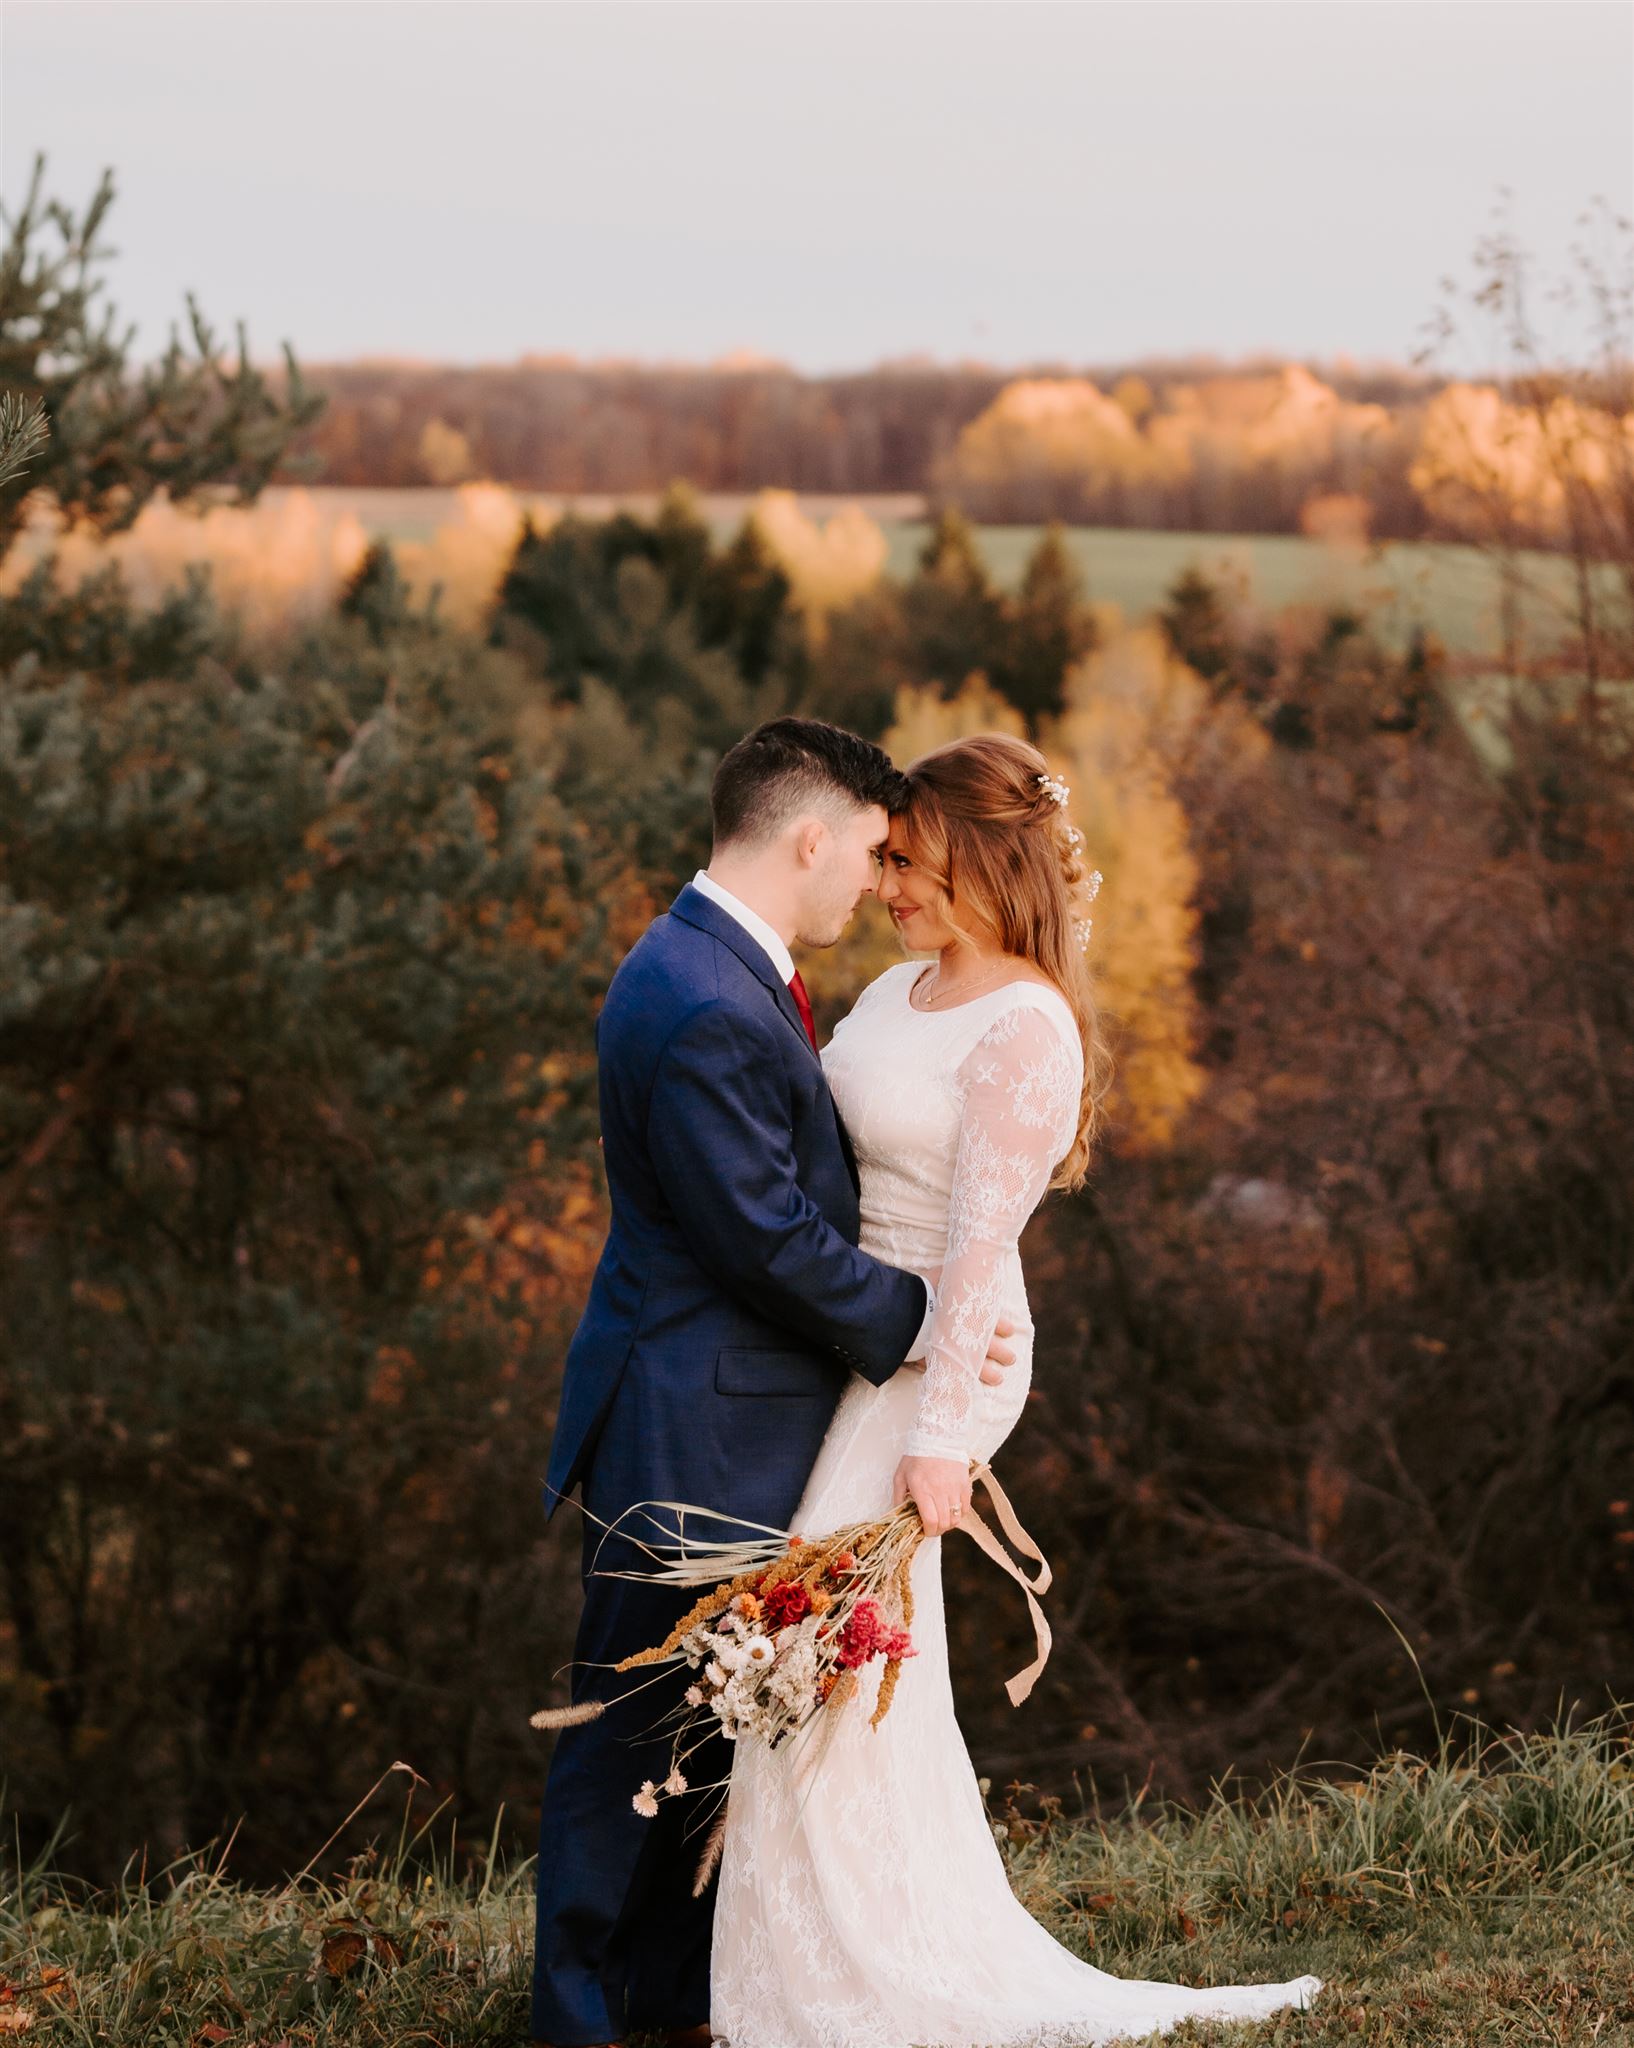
{"x":57,"y":1985}
{"x":345,"y":1948}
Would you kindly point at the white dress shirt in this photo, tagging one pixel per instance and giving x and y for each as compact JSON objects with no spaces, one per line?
{"x":776,"y":948}
{"x":752,"y":922}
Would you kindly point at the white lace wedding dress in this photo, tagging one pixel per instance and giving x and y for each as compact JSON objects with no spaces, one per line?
{"x":863,"y":1901}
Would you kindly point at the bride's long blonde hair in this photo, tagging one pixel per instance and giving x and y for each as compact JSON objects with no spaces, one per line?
{"x":981,"y":823}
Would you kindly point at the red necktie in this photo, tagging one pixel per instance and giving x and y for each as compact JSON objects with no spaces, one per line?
{"x":802,"y":1002}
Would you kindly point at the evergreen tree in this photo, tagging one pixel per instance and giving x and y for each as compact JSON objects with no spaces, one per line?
{"x":376,"y":595}
{"x":1049,"y":628}
{"x":953,"y":618}
{"x":652,"y":610}
{"x":116,"y":435}
{"x":744,"y":606}
{"x":1194,"y":620}
{"x":296,"y":1192}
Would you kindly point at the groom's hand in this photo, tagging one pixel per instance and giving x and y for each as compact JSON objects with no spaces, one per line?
{"x":938,"y":1487}
{"x":999,"y":1353}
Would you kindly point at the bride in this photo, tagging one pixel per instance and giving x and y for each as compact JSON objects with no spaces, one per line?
{"x":862,"y":1901}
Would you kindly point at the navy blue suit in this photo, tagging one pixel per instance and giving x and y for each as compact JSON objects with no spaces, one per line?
{"x":729,"y":1302}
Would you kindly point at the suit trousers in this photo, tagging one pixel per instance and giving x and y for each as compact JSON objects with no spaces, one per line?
{"x":621,"y":1944}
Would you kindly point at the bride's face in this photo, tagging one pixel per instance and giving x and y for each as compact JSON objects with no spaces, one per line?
{"x":913,"y":899}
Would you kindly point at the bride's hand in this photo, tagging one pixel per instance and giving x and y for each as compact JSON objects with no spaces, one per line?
{"x":938,"y":1487}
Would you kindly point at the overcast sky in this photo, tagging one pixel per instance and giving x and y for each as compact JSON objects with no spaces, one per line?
{"x":831,"y":184}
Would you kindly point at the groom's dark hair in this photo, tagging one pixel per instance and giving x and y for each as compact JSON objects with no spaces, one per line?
{"x":793,"y":764}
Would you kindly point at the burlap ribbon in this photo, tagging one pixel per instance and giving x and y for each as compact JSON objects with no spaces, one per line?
{"x":986,"y":1542}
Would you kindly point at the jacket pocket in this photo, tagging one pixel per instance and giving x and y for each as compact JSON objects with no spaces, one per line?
{"x":743,"y":1371}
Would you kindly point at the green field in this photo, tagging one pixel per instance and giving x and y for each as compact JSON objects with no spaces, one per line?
{"x":1452,"y":590}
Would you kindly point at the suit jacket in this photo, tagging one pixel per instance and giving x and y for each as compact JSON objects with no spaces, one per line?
{"x":730,"y":1299}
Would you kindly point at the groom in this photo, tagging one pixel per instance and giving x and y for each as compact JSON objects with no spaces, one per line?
{"x":729,"y":1304}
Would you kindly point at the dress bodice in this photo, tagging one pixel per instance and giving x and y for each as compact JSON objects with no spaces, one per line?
{"x":958,"y":1118}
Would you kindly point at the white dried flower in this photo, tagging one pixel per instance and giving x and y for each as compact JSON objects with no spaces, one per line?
{"x":757,"y":1652}
{"x":645,"y":1801}
{"x":695,"y":1695}
{"x":675,"y":1784}
{"x":715,"y":1673}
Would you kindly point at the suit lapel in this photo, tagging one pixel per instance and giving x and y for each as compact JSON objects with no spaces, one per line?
{"x":693,"y":907}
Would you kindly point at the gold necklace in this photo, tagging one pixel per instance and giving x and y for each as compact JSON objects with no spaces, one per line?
{"x":976,"y":982}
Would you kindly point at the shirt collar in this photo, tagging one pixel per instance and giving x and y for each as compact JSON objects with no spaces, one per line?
{"x":752,"y":922}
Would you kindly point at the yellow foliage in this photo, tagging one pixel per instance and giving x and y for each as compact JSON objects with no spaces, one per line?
{"x":1051,"y":426}
{"x":1484,"y":462}
{"x":923,"y":718}
{"x":445,"y":453}
{"x":1130,"y":709}
{"x":1066,"y":428}
{"x":1288,"y":420}
{"x":283,"y":556}
{"x":829,"y":563}
{"x":290,"y":554}
{"x":467,"y":555}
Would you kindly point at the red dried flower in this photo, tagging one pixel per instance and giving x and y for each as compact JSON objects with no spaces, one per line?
{"x":784,"y":1604}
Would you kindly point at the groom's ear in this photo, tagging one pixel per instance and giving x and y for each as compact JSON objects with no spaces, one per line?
{"x":810,"y":834}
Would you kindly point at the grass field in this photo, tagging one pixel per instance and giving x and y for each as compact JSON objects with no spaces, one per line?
{"x":1452,"y":590}
{"x":1480,"y":1896}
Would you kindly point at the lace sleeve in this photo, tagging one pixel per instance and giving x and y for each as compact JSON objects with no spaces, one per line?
{"x":1020,"y":1084}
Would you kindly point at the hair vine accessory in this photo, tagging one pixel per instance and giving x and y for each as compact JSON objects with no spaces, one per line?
{"x":1083,"y":925}
{"x":1055,"y":788}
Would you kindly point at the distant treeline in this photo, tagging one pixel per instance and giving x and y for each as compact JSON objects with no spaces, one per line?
{"x":549,"y":425}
